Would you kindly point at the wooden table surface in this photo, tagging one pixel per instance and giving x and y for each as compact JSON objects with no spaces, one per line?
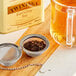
{"x":44,"y":29}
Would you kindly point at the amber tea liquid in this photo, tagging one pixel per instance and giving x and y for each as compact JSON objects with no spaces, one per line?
{"x":59,"y":20}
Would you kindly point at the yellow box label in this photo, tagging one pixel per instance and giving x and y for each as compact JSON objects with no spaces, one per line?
{"x":22,"y":6}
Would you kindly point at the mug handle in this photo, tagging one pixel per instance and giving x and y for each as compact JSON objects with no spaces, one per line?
{"x":69,"y":27}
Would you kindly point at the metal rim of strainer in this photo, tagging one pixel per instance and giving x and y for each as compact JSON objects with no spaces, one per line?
{"x":21,"y":47}
{"x":17,"y":48}
{"x":35,"y":36}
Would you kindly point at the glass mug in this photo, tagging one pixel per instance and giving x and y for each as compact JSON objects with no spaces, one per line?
{"x":63,"y":22}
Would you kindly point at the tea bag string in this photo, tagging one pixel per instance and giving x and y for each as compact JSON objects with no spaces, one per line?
{"x":19,"y":68}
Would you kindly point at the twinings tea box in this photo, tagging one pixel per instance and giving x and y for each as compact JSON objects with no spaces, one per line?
{"x":18,"y":14}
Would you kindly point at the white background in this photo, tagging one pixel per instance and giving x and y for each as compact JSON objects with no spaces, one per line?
{"x":61,"y":63}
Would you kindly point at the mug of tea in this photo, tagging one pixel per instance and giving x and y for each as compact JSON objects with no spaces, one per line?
{"x":63,"y":22}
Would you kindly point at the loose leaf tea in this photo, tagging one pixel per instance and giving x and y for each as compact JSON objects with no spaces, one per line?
{"x":35,"y":45}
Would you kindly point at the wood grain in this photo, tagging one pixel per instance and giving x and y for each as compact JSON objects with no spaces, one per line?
{"x":44,"y":29}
